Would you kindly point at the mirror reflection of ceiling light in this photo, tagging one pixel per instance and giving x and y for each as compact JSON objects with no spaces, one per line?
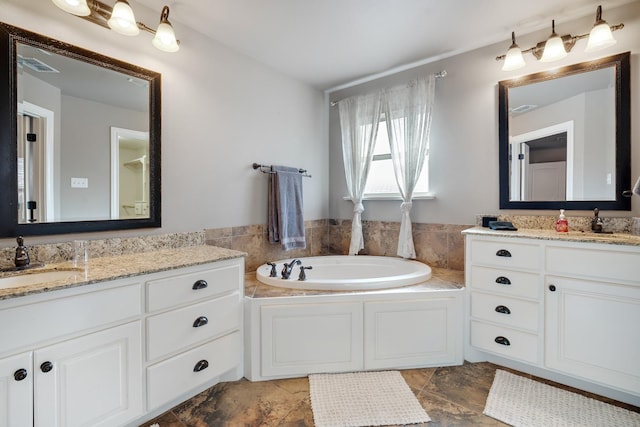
{"x":121,"y":19}
{"x":557,"y":47}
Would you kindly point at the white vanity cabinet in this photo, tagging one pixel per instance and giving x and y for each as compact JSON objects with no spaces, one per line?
{"x":569,"y":310}
{"x":73,"y":357}
{"x":119,"y":352}
{"x":592,"y":307}
{"x":193,"y":329}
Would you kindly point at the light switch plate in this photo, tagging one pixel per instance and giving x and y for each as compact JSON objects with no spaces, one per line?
{"x":79,"y":182}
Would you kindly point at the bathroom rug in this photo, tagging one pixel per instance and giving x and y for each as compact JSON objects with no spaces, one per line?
{"x":363,"y":399}
{"x":522,"y":402}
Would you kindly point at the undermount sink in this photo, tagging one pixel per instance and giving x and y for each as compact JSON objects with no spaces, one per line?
{"x":33,"y":278}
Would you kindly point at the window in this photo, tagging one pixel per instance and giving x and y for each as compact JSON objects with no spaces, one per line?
{"x":382,"y":180}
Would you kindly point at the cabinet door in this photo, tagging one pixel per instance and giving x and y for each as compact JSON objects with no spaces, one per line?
{"x":308,"y":338}
{"x":94,"y":380}
{"x":593,"y":331}
{"x":417,"y":333}
{"x":16,"y":391}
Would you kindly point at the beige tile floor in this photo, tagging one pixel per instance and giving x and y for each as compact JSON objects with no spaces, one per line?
{"x":452,"y":396}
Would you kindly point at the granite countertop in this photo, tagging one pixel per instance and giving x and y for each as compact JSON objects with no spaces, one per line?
{"x":118,"y":267}
{"x":571,"y":236}
{"x":441,"y":279}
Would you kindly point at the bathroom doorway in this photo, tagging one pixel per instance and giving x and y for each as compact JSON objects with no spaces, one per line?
{"x":129,"y":173}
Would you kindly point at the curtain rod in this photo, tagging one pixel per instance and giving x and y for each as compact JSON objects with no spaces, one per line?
{"x":438,"y":75}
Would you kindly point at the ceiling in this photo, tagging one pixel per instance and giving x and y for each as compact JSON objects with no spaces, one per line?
{"x":330,"y":43}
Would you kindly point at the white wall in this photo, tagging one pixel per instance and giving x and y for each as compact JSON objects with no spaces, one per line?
{"x":221,"y":111}
{"x":464,"y":139}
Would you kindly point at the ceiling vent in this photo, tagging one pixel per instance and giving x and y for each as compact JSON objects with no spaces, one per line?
{"x":36,"y":65}
{"x":523,"y":108}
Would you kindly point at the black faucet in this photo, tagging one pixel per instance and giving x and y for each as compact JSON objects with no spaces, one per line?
{"x":288,"y":268}
{"x":273,"y":269}
{"x":302,"y":276}
{"x":596,"y":222}
{"x":22,"y":254}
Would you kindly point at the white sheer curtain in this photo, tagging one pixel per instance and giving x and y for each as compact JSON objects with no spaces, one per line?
{"x":359,"y":117}
{"x":408,"y":111}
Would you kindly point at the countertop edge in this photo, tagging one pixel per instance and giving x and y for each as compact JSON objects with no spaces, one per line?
{"x":572,"y":236}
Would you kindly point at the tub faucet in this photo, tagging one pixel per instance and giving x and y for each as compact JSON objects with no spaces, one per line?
{"x":288,"y":268}
{"x":302,"y":276}
{"x":273,"y":269}
{"x":22,"y":254}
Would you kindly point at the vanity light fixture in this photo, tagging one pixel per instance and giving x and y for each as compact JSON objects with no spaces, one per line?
{"x":557,"y":47}
{"x":120,"y":18}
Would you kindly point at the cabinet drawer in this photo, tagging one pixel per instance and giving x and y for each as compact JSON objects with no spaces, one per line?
{"x":508,"y":311}
{"x":191,"y":287}
{"x":507,"y":253}
{"x":521,"y":345}
{"x":173,"y":377}
{"x":175,"y":330}
{"x":31,"y":324}
{"x":603,"y":262}
{"x":506,"y":282}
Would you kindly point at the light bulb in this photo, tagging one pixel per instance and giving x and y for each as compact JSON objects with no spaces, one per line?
{"x":554,"y":47}
{"x":513,"y":59}
{"x":600,"y":36}
{"x":76,"y":7}
{"x":122,"y":19}
{"x":165,"y":38}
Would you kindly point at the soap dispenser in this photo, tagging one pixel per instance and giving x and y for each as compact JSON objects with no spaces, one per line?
{"x":562,"y":225}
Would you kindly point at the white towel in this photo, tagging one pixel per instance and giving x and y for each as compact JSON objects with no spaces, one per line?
{"x":285,"y":210}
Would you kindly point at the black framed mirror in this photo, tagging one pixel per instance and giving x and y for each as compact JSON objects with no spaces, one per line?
{"x":79,"y":139}
{"x":565,"y":137}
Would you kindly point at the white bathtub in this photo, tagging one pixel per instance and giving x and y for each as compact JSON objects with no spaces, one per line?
{"x":344,"y":272}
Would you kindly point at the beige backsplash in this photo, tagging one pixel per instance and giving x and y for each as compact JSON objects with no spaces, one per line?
{"x":438,"y":245}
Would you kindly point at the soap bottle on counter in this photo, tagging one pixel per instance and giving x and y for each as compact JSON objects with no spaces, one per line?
{"x":562,"y":225}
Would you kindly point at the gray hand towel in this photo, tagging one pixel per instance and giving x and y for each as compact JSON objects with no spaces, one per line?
{"x":285,"y":209}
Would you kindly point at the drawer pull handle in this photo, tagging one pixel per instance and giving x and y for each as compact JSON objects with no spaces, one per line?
{"x":200,"y":284}
{"x":20,"y":374}
{"x":502,"y":309}
{"x":502,"y":341}
{"x":46,"y":366}
{"x":503,"y":253}
{"x":552,"y":288}
{"x":200,"y":321}
{"x":201,"y":366}
{"x":503,"y":280}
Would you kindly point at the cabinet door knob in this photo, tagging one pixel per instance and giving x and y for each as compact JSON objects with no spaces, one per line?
{"x":503,"y":280}
{"x":503,"y":253}
{"x":552,"y":288}
{"x":199,"y":284}
{"x":46,"y":366}
{"x":20,"y":374}
{"x":200,"y":321}
{"x":502,"y":341}
{"x":502,"y":309}
{"x":200,"y":366}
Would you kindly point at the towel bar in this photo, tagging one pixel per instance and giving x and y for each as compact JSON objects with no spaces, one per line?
{"x":269,"y":169}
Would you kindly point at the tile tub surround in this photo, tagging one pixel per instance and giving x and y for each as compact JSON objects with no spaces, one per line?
{"x":61,"y":252}
{"x":437,"y":245}
{"x":107,"y":268}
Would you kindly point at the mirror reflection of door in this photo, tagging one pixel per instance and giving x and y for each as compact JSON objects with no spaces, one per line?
{"x":36,"y":198}
{"x":129,"y":174}
{"x":542,"y":164}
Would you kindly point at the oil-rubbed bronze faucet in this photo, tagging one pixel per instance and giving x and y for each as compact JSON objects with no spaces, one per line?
{"x":22,"y":254}
{"x":596,"y":222}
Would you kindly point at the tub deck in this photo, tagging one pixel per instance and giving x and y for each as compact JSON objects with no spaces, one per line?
{"x":441,"y":279}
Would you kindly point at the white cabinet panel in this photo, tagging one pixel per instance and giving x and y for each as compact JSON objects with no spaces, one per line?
{"x":510,"y":312}
{"x":506,"y":282}
{"x":175,"y":330}
{"x":193,"y":286}
{"x":594,"y":331}
{"x":94,"y":380}
{"x":609,"y":265}
{"x":304,"y":338}
{"x":173,"y":377}
{"x":505,"y":341}
{"x":507,"y":253}
{"x":16,"y":391}
{"x":415,"y":333}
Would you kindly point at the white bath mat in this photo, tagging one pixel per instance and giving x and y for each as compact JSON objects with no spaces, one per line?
{"x":522,"y":402}
{"x":363,"y":399}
